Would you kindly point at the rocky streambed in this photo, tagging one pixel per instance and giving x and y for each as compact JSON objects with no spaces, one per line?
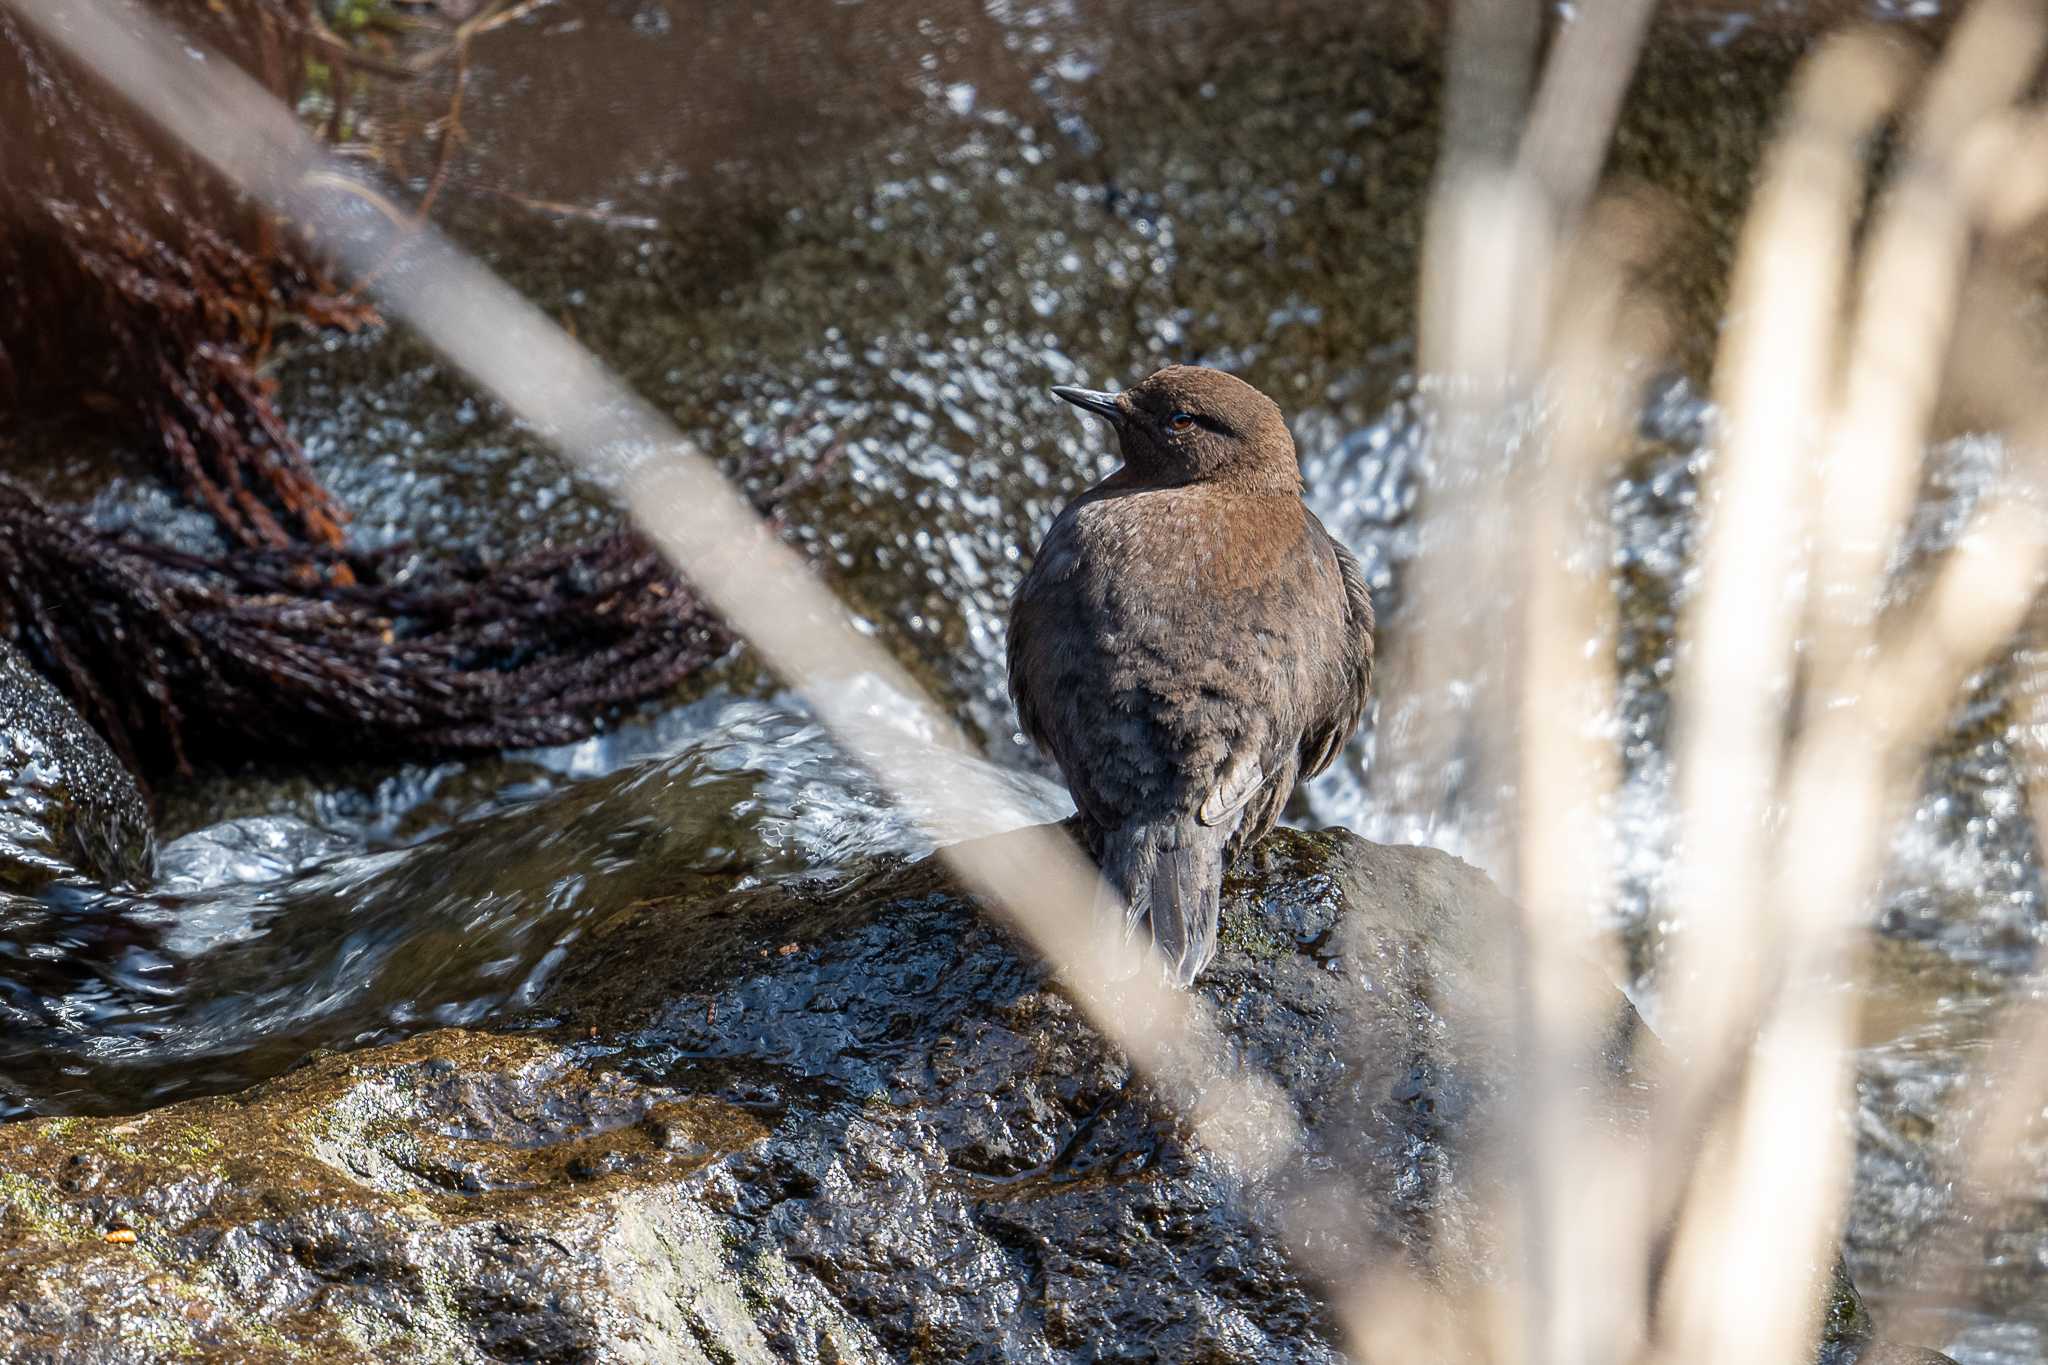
{"x":336,"y":1069}
{"x":835,"y":1122}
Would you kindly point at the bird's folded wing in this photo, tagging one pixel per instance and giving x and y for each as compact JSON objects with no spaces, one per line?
{"x":1323,"y":740}
{"x":1242,"y":775}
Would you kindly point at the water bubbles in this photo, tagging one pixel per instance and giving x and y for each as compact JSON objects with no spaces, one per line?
{"x":238,"y":949}
{"x":1071,"y":66}
{"x":246,"y":852}
{"x":1294,"y":313}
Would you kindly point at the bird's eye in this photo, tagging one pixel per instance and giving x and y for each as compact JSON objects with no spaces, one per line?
{"x":1180,"y":421}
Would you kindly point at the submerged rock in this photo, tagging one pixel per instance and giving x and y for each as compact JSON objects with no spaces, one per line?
{"x":67,"y":806}
{"x":848,"y":1122}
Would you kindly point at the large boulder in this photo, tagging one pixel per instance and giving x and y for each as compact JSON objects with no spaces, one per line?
{"x":846,"y":1122}
{"x":68,"y":807}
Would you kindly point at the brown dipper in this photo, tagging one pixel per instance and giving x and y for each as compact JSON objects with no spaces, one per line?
{"x":1189,"y":642}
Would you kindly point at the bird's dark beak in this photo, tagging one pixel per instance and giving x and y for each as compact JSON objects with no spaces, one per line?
{"x":1092,"y":400}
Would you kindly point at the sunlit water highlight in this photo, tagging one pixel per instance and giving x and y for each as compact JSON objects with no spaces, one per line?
{"x":295,"y":914}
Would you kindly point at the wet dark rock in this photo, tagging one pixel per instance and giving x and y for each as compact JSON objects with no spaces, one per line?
{"x":842,"y":1122}
{"x":891,"y":265}
{"x":67,"y":806}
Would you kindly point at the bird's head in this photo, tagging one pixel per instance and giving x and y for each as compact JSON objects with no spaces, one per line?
{"x":1187,"y":424}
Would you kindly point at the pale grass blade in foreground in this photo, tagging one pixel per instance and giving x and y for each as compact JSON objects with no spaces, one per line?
{"x":1522,"y":312}
{"x":1874,"y":702}
{"x":1782,"y":844}
{"x":1597,"y":1229}
{"x":1769,"y":915}
{"x":1773,"y":377}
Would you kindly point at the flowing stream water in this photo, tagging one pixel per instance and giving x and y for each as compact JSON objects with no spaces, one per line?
{"x":866,"y":250}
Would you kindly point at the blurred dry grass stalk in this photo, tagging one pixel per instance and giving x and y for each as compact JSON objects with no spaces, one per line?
{"x":1806,"y":696}
{"x":1826,"y":384}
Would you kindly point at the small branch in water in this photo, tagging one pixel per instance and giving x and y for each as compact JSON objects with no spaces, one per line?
{"x":476,"y":25}
{"x":557,"y":208}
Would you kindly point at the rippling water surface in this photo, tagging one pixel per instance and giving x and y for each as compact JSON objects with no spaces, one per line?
{"x":879,"y":288}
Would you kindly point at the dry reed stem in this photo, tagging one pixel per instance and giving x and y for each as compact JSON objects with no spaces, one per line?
{"x":1500,"y":615}
{"x":1777,"y":363}
{"x":1767,"y":1185}
{"x":1912,"y":274}
{"x":1572,"y":769}
{"x":1782,"y":1157}
{"x":1564,"y":143}
{"x":1483,"y":300}
{"x":2002,"y":165}
{"x":1999,"y":359}
{"x":1510,"y":193}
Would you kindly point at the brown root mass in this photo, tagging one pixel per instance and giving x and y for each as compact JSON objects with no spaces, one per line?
{"x":261,"y":653}
{"x":140,"y":287}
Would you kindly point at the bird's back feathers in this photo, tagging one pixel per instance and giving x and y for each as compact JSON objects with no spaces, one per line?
{"x":1189,"y":641}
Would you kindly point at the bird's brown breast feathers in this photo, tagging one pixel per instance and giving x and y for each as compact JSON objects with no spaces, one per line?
{"x":1163,"y":631}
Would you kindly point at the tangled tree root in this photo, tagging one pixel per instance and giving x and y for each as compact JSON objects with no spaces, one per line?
{"x":254,"y":655}
{"x":140,"y":286}
{"x":144,"y":288}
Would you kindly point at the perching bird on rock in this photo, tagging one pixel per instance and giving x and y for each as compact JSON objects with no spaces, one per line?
{"x":1188,"y":644}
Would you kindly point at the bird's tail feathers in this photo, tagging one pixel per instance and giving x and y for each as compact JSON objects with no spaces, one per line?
{"x":1171,"y":875}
